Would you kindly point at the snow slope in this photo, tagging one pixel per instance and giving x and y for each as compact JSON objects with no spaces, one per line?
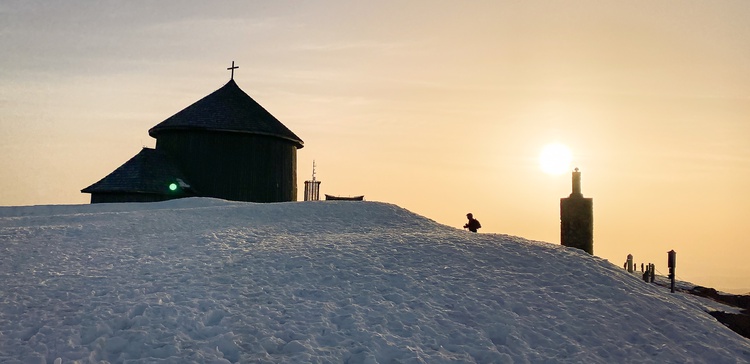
{"x":210,"y":281}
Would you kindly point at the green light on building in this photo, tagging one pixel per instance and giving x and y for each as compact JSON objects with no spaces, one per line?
{"x":173,"y":187}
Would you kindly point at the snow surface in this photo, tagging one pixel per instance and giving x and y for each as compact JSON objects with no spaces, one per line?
{"x":210,"y":281}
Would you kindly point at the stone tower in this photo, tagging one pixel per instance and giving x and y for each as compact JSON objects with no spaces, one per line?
{"x":577,"y":218}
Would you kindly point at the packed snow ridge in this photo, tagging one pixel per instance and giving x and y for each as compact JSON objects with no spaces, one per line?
{"x":210,"y":281}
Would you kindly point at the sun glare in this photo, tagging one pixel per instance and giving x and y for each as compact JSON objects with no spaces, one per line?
{"x":555,"y":159}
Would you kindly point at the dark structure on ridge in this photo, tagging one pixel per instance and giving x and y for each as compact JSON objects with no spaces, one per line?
{"x":225,"y":145}
{"x":577,"y":218}
{"x":312,"y":188}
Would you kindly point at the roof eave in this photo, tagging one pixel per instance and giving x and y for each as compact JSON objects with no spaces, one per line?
{"x":154,"y":133}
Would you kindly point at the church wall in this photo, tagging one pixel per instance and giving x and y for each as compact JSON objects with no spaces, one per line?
{"x":234,"y":166}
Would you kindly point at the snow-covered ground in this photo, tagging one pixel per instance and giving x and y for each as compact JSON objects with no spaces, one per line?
{"x":210,"y":281}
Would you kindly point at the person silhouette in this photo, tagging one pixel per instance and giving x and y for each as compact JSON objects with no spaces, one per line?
{"x":473,"y":223}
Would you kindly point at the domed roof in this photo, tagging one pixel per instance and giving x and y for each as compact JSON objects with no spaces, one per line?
{"x":228,"y":109}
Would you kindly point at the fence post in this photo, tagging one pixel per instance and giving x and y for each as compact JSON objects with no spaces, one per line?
{"x":671,"y":263}
{"x":653,"y":269}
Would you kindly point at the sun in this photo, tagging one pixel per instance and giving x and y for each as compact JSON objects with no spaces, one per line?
{"x":555,"y":159}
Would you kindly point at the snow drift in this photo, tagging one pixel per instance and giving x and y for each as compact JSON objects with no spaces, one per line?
{"x":203,"y":280}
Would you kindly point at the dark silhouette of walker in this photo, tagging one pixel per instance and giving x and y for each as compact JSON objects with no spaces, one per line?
{"x":473,"y":223}
{"x":577,"y":218}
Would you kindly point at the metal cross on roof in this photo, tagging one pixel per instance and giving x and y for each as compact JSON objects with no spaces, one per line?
{"x":232,"y":68}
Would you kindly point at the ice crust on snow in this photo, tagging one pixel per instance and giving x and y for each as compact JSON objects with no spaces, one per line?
{"x":210,"y":281}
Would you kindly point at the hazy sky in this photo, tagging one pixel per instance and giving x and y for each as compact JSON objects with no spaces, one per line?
{"x":441,"y":107}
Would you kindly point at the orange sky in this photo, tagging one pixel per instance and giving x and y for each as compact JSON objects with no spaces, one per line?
{"x":440,"y":107}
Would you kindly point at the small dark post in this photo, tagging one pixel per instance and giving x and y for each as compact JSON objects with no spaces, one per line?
{"x":671,"y":263}
{"x":630,"y":263}
{"x":652,"y":268}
